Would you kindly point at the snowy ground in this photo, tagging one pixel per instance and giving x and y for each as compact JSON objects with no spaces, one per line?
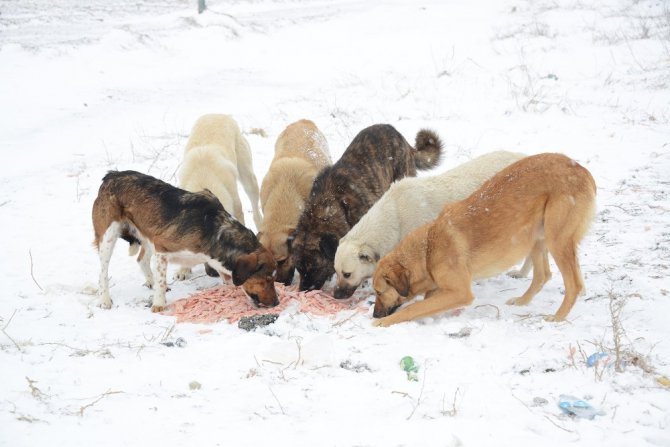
{"x":91,"y":86}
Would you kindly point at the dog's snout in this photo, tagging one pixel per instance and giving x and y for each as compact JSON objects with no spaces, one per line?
{"x":343,"y":292}
{"x":255,"y":299}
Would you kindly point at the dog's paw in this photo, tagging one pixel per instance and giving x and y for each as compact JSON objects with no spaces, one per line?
{"x":381,"y":322}
{"x":105,"y":304}
{"x":148,"y":285}
{"x":182,"y":274}
{"x":157,"y":308}
{"x":518,"y":301}
{"x":553,"y":319}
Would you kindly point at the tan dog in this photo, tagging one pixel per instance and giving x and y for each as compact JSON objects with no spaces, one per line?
{"x":215,"y":158}
{"x":301,"y":152}
{"x":541,"y":202}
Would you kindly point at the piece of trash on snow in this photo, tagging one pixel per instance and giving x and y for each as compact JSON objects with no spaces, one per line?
{"x":408,"y":365}
{"x":663,"y":381}
{"x":576,"y":407}
{"x":355,"y":367}
{"x":464,"y":332}
{"x":256,"y":321}
{"x":194,"y":385}
{"x":179,"y":342}
{"x":595,"y":358}
{"x":539,"y":402}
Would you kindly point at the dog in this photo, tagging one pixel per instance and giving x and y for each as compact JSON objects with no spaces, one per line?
{"x":181,"y":227}
{"x":301,"y":152}
{"x":215,"y":158}
{"x":542,"y":202}
{"x":344,"y":192}
{"x":408,"y":204}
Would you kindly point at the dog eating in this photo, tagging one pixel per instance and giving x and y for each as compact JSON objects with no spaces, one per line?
{"x":301,"y":152}
{"x":344,"y":192}
{"x":541,"y":203}
{"x":177,"y":226}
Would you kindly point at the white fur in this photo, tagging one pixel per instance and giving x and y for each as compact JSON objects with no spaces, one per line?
{"x":408,"y":204}
{"x":216,"y":157}
{"x":157,"y":281}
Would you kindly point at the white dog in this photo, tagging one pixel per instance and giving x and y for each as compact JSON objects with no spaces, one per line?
{"x":408,"y":204}
{"x":215,"y":158}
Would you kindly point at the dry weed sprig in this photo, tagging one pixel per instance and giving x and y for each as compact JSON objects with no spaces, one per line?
{"x":4,"y":331}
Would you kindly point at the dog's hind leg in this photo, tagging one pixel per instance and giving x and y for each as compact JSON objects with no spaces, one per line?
{"x":105,"y":250}
{"x":144,"y":260}
{"x":538,"y":257}
{"x":566,"y":223}
{"x":160,"y":286}
{"x":245,"y":169}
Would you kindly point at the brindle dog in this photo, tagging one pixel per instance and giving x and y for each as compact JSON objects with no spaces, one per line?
{"x":343,"y":193}
{"x":182,"y":227}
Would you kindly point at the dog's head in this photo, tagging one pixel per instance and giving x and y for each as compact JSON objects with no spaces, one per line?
{"x":354,"y":263}
{"x":279,"y":244}
{"x":255,"y":272}
{"x":313,"y":255}
{"x":391,"y":282}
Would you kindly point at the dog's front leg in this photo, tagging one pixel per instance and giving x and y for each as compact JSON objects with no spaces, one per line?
{"x":438,"y":300}
{"x":160,"y":287}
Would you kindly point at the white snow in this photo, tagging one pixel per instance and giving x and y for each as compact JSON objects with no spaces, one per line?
{"x":90,"y":86}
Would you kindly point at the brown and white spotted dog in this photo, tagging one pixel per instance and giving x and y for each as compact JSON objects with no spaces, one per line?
{"x":344,"y":192}
{"x":181,"y":227}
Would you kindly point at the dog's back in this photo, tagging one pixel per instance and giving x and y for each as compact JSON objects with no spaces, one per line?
{"x":546,"y":196}
{"x":221,"y":133}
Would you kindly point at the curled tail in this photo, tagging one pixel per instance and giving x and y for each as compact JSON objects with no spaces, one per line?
{"x":428,"y":149}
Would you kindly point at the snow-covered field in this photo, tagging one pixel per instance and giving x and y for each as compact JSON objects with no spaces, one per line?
{"x":108,"y":84}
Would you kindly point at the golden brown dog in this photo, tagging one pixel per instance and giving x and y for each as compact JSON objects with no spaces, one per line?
{"x":301,"y":152}
{"x":543,"y":202}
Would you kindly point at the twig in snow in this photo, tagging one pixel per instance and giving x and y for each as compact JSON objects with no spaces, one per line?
{"x":31,"y":270}
{"x":556,"y":425}
{"x":281,"y":407}
{"x":4,"y":331}
{"x":491,"y":305}
{"x":453,"y":410}
{"x":34,"y":391}
{"x":102,"y":396}
{"x":418,"y":400}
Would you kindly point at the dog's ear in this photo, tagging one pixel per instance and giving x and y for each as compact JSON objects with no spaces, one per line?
{"x":328,"y":245}
{"x":368,"y":255}
{"x":398,"y":278}
{"x":245,"y":266}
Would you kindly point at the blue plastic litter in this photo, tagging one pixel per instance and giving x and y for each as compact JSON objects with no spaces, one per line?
{"x":594,"y":358}
{"x":576,"y":407}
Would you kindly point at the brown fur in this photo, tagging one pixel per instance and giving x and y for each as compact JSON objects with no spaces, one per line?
{"x":543,"y":202}
{"x":183,"y":227}
{"x":301,"y":152}
{"x":345,"y":191}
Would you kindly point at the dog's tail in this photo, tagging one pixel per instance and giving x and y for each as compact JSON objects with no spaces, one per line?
{"x":135,"y":243}
{"x":428,"y":149}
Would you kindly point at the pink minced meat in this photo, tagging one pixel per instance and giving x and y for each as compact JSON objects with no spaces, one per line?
{"x":231,"y":303}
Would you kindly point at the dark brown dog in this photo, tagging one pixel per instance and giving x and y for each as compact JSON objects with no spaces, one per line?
{"x":344,"y":192}
{"x":182,"y":227}
{"x":543,"y":202}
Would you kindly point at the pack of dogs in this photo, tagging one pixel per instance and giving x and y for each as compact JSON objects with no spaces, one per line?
{"x":365,"y":216}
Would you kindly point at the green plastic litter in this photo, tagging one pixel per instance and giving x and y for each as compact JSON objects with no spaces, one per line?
{"x":408,"y":365}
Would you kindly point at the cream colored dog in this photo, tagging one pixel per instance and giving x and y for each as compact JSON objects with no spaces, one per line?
{"x":542,"y":202}
{"x":409,"y":203}
{"x":301,"y":152}
{"x":215,"y":158}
